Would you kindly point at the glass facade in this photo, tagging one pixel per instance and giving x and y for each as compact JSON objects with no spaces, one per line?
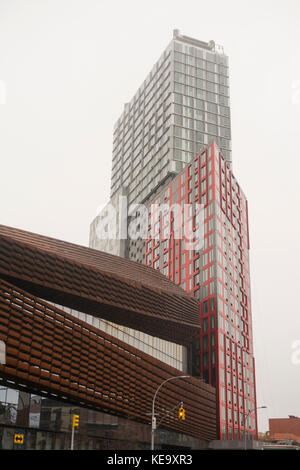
{"x":201,"y":112}
{"x":46,"y":424}
{"x":141,"y":135}
{"x":165,"y":351}
{"x":182,"y":105}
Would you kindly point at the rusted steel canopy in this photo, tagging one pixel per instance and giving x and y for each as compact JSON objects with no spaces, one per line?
{"x":52,"y":353}
{"x":100,"y":284}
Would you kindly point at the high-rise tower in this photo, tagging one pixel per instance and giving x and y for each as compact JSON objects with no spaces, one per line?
{"x":217,"y":273}
{"x":182,"y":105}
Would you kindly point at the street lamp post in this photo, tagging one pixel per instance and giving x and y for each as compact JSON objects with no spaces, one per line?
{"x":153,"y":419}
{"x":246,"y":416}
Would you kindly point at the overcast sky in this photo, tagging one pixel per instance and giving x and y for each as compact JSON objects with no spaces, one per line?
{"x":66,"y":69}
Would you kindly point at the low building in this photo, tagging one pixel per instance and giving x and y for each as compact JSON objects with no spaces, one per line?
{"x":285,"y":429}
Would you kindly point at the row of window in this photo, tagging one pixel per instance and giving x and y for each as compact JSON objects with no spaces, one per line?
{"x":201,"y":83}
{"x":201,"y":94}
{"x":157,"y":152}
{"x":238,"y":418}
{"x":152,"y":126}
{"x":200,"y":104}
{"x":204,"y":60}
{"x":154,"y":134}
{"x":146,"y":92}
{"x":198,"y":51}
{"x":201,"y":73}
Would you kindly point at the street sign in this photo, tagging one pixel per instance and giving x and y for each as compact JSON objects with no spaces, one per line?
{"x":19,"y":438}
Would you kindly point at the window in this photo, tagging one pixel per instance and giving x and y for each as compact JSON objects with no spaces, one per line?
{"x":177,"y":131}
{"x":199,"y":104}
{"x":199,"y":115}
{"x":212,"y":118}
{"x":212,"y":108}
{"x":179,"y":67}
{"x":200,"y":126}
{"x":213,"y":356}
{"x":205,"y":307}
{"x":204,"y":291}
{"x":177,"y":109}
{"x":212,"y":129}
{"x":2,"y":353}
{"x":228,"y":378}
{"x":212,"y":338}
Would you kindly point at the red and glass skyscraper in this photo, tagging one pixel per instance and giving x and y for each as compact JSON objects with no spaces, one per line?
{"x":218,"y":276}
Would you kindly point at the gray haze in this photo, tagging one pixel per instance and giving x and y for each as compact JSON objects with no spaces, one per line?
{"x":67,"y":67}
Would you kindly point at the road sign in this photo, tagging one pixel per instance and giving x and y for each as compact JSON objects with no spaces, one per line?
{"x":19,"y":438}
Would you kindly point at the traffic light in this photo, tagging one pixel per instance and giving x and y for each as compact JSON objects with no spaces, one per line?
{"x":181,"y":413}
{"x":75,"y":421}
